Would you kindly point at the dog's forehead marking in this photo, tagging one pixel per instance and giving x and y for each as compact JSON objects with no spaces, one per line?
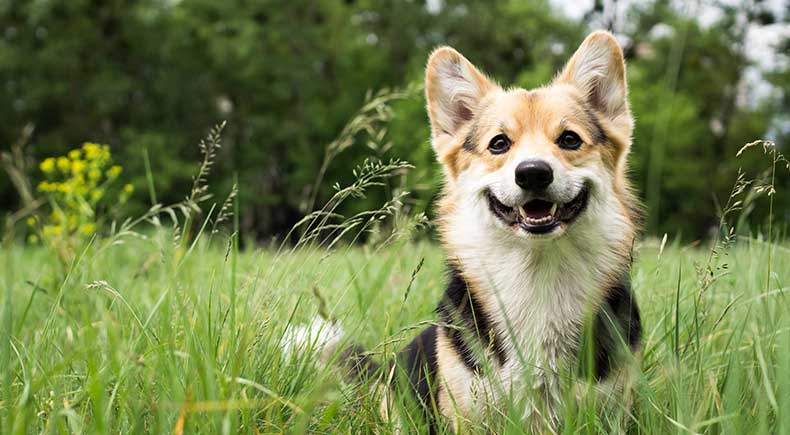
{"x":504,"y":112}
{"x":535,"y":119}
{"x":546,"y":110}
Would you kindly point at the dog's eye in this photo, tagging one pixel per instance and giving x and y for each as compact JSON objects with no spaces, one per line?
{"x":499,"y":144}
{"x":569,"y":140}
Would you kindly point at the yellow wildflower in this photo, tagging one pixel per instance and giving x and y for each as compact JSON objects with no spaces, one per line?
{"x":48,"y":165}
{"x":71,"y":180}
{"x":64,"y":164}
{"x":77,"y":167}
{"x":97,"y":194}
{"x":95,"y":151}
{"x":114,"y":171}
{"x":51,"y":230}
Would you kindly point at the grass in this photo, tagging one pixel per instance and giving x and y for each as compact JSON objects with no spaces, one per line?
{"x":177,"y":330}
{"x":130,"y":340}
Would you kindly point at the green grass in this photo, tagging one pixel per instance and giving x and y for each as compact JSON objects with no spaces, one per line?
{"x":127,"y":340}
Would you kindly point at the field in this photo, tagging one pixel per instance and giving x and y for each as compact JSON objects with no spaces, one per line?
{"x":141,"y":337}
{"x":153,"y":282}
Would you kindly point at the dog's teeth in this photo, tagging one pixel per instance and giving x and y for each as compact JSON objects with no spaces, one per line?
{"x":553,"y":209}
{"x":522,"y":212}
{"x":538,"y":221}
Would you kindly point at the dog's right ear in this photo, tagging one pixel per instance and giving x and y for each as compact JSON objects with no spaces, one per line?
{"x":597,"y":69}
{"x":453,"y":89}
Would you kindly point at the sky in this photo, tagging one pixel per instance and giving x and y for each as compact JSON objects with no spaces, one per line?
{"x":760,"y":39}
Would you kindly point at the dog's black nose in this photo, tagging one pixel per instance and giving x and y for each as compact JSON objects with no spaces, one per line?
{"x":534,"y":174}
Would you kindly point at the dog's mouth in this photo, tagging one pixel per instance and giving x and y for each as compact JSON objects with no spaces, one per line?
{"x":539,"y":216}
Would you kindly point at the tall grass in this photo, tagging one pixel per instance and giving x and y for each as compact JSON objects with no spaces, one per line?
{"x":177,"y":330}
{"x":133,"y":346}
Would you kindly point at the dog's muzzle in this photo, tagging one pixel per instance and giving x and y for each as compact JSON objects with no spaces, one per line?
{"x":540,"y":215}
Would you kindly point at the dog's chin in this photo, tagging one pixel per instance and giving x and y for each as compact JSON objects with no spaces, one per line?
{"x":539,"y":218}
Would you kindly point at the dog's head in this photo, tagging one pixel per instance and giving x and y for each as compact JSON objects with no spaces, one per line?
{"x":534,"y":164}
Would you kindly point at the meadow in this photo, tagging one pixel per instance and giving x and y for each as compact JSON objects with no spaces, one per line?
{"x":172,"y":322}
{"x":144,"y":292}
{"x":141,"y":337}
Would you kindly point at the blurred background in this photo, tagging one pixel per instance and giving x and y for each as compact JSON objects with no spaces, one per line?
{"x":153,"y":76}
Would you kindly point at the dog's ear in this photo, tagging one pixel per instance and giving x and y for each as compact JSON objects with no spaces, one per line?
{"x":597,"y":69}
{"x":453,"y":89}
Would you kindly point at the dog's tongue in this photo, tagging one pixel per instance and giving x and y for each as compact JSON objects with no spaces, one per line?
{"x":537,"y":208}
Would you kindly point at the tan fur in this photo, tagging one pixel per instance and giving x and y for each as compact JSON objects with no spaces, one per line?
{"x":578,"y":100}
{"x":550,"y":300}
{"x":467,"y":110}
{"x":534,"y":118}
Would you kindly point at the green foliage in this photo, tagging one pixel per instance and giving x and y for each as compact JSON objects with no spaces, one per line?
{"x":170,"y":328}
{"x":287,"y":76}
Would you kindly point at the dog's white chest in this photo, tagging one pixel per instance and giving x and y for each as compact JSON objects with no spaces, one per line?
{"x":538,"y":303}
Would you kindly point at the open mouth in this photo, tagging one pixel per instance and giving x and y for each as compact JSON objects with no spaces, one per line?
{"x":539,"y":216}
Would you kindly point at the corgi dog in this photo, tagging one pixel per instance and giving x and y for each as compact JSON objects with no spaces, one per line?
{"x":537,"y":219}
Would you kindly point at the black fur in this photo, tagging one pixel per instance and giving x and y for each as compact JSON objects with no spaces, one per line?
{"x":598,"y":132}
{"x":470,"y":141}
{"x":617,"y":325}
{"x":359,"y":363}
{"x":599,"y":135}
{"x":463,"y":318}
{"x":418,"y":362}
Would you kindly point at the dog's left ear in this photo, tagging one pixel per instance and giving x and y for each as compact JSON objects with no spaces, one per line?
{"x":597,"y":69}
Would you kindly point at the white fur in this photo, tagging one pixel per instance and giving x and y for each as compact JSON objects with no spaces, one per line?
{"x":597,"y":70}
{"x":458,"y":90}
{"x":543,"y":286}
{"x":593,"y":71}
{"x":320,"y":336}
{"x":562,"y":190}
{"x":537,"y":288}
